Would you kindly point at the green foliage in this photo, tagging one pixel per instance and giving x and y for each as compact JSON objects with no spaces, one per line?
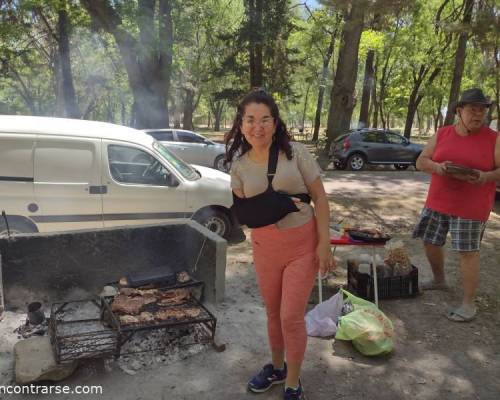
{"x":211,"y":59}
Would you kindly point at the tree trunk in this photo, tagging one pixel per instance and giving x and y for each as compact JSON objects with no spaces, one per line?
{"x":322,"y":85}
{"x":187,"y":118}
{"x":374,"y":97}
{"x":496,"y":55}
{"x":317,"y":117}
{"x":255,"y":45}
{"x":305,"y":108}
{"x":176,"y":109}
{"x":459,"y":63}
{"x":410,"y":114}
{"x":110,"y":117}
{"x":133,"y":115}
{"x":364,"y":116}
{"x":68,"y":89}
{"x":438,"y":118}
{"x":416,"y":96}
{"x":166,"y":36}
{"x":489,"y":116}
{"x":148,"y":69}
{"x":123,"y":112}
{"x":386,"y":73}
{"x":58,"y":87}
{"x":419,"y":121}
{"x":217,"y":123}
{"x":342,"y":96}
{"x":217,"y":116}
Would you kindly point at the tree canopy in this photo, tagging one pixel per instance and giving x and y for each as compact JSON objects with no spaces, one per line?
{"x":160,"y":63}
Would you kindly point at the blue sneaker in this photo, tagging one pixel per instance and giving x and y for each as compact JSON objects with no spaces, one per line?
{"x":292,"y":394}
{"x":266,"y":378}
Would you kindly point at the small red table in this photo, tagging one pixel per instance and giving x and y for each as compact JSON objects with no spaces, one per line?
{"x":345,"y":240}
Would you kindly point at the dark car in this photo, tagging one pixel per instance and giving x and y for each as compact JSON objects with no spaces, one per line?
{"x":357,"y":148}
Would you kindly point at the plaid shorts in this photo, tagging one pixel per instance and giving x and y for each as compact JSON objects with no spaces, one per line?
{"x":433,"y":226}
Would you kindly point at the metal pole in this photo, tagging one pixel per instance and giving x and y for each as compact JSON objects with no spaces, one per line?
{"x":320,"y":288}
{"x":375,"y":280}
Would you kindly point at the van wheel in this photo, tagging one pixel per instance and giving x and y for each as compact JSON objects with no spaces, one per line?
{"x":219,"y":163}
{"x":15,"y":228}
{"x":215,"y":221}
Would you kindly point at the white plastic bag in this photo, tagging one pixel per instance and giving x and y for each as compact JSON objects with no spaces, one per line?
{"x":322,"y":319}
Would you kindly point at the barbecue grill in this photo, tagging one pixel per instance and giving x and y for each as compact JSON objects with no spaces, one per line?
{"x":76,"y":331}
{"x":204,"y":323}
{"x":91,"y":329}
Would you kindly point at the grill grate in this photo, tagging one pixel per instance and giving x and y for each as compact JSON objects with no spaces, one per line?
{"x":204,"y":317}
{"x":77,"y":332}
{"x":90,"y":329}
{"x":205,"y":323}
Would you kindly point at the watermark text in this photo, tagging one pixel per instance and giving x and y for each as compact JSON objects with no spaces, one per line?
{"x":50,"y":389}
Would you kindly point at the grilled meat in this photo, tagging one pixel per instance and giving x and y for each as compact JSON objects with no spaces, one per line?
{"x":146,"y":317}
{"x":128,"y":320}
{"x":192,"y":312}
{"x":177,"y":313}
{"x":130,"y":305}
{"x":126,"y":291}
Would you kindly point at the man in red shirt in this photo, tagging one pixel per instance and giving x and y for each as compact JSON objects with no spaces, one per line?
{"x":464,"y":163}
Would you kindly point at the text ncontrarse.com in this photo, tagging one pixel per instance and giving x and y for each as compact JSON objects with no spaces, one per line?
{"x":52,"y":389}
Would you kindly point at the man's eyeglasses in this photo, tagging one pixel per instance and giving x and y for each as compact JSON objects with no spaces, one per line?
{"x":250,"y":121}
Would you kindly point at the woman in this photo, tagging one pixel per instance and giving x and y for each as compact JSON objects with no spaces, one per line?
{"x":457,"y":203}
{"x":286,"y":254}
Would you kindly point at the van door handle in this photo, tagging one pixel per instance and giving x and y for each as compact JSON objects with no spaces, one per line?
{"x":98,"y":189}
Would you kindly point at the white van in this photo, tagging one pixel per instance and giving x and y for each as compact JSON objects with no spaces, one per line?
{"x":61,"y":174}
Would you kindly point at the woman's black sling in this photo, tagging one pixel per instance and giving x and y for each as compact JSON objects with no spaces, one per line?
{"x":267,"y":207}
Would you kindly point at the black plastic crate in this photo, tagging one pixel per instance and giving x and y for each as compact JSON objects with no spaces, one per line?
{"x":393,"y":287}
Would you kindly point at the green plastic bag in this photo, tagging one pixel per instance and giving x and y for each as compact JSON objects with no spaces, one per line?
{"x":356,"y":301}
{"x":370,"y":330}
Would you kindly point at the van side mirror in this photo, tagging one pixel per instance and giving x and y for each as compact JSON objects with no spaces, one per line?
{"x":171,"y":180}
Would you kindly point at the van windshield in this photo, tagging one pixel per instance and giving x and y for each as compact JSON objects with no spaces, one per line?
{"x":182,"y":167}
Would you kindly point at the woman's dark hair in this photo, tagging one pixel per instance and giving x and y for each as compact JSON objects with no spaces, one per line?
{"x":236,"y":143}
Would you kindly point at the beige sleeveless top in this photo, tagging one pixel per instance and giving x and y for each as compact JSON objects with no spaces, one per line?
{"x":291,"y":177}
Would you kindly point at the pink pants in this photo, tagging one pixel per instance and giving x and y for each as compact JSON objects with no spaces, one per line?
{"x":286,"y":266}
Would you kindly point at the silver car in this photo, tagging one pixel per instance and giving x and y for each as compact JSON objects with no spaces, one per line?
{"x":191,"y":147}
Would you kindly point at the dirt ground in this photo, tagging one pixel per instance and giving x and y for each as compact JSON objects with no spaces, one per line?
{"x":433,"y":358}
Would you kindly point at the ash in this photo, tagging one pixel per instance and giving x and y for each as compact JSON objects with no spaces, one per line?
{"x":81,"y":328}
{"x":149,"y":348}
{"x":78,"y":311}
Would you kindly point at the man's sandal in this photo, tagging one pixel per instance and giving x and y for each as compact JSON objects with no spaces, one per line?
{"x":461,"y":314}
